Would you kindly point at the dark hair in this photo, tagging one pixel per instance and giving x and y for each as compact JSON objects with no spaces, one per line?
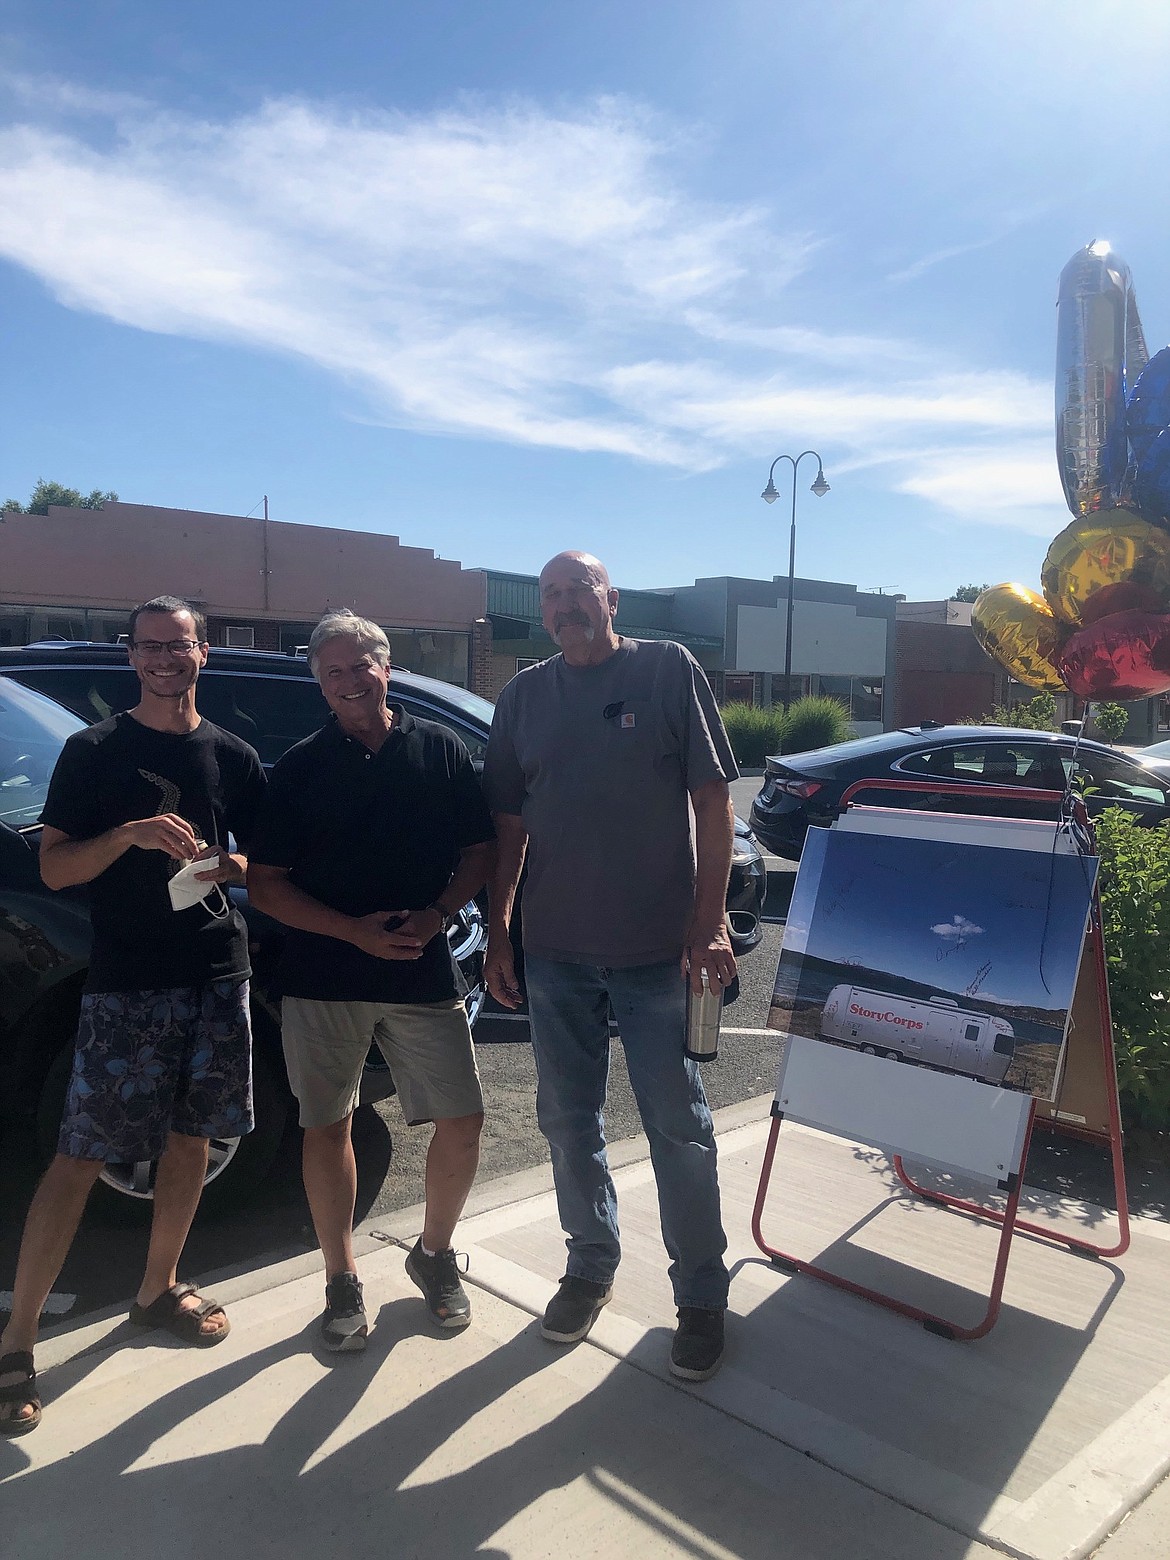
{"x":169,"y":604}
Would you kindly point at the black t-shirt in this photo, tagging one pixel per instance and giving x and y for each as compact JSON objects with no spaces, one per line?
{"x":120,"y":771}
{"x":362,"y":831}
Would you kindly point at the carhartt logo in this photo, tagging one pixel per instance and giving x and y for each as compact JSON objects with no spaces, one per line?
{"x":628,"y":718}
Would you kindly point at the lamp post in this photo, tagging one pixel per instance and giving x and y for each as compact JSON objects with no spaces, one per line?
{"x":770,"y":494}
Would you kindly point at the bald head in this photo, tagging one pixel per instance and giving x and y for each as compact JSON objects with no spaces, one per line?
{"x":577,"y":606}
{"x":578,"y":561}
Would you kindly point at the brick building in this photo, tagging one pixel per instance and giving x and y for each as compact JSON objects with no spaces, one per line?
{"x":76,"y":574}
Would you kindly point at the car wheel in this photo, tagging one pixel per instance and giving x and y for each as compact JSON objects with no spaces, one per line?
{"x":869,"y":1050}
{"x":235,"y":1167}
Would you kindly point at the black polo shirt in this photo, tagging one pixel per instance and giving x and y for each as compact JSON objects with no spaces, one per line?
{"x":362,"y":831}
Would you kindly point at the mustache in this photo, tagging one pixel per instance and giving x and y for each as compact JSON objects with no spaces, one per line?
{"x":565,"y":620}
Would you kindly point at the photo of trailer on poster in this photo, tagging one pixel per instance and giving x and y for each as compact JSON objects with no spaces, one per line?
{"x":940,"y":941}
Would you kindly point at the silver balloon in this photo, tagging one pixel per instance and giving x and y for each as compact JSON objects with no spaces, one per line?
{"x":1100,"y":351}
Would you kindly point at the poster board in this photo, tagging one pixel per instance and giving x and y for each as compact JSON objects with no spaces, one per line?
{"x":947,"y":941}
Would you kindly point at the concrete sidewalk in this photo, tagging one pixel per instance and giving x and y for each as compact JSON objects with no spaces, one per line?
{"x":835,"y":1429}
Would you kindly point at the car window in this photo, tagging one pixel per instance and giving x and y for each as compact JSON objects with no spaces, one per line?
{"x":32,"y":733}
{"x":1034,"y":765}
{"x":269,"y":713}
{"x":1112,"y":779}
{"x":93,"y":693}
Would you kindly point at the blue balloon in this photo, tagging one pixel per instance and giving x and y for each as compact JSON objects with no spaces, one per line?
{"x":1147,"y":411}
{"x":1151,"y":488}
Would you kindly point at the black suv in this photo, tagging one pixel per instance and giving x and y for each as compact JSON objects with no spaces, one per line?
{"x":271,"y":701}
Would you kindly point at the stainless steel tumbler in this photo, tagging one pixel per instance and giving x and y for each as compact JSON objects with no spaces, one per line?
{"x":703,"y":1017}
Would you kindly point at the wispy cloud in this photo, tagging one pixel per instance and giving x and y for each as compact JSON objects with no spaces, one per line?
{"x":1013,"y":483}
{"x":957,"y":930}
{"x":500,"y":272}
{"x":919,"y":267}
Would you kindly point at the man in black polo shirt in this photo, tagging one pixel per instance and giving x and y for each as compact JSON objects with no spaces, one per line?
{"x":373,"y":836}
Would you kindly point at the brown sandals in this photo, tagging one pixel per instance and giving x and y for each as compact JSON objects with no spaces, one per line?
{"x":168,"y":1313}
{"x":23,"y":1393}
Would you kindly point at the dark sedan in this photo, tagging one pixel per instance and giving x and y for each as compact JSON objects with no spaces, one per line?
{"x":803,"y":789}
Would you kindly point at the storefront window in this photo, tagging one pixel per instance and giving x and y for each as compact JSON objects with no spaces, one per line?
{"x":27,"y":625}
{"x":866,"y":702}
{"x":862,"y":696}
{"x":432,"y":653}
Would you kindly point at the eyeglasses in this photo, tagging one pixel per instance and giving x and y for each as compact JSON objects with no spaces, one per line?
{"x":171,"y":646}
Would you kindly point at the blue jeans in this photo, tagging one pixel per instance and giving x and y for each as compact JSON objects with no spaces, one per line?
{"x":568,"y":1006}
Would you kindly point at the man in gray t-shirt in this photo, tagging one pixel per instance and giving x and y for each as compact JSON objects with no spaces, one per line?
{"x":598,"y":760}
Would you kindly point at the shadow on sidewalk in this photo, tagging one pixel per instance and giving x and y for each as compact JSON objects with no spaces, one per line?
{"x":646,"y":1470}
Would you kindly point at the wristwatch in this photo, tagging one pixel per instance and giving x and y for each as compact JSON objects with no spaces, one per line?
{"x":445,"y":916}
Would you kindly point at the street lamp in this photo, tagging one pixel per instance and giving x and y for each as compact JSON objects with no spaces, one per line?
{"x":770,"y":494}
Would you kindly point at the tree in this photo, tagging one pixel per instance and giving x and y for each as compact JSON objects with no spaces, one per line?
{"x":46,"y":493}
{"x":1111,"y":720}
{"x":968,"y":592}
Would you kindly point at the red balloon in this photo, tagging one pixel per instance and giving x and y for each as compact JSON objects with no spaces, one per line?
{"x":1123,"y":656}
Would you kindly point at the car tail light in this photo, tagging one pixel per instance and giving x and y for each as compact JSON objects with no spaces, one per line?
{"x":802,"y":788}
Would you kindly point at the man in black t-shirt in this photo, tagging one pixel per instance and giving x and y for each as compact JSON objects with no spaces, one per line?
{"x":163,"y":1057}
{"x":374,"y":835}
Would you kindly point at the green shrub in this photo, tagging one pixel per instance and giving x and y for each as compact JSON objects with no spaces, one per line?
{"x":1135,"y":904}
{"x":815,"y":722}
{"x":1111,"y":720}
{"x":754,"y":733}
{"x":1039,"y":714}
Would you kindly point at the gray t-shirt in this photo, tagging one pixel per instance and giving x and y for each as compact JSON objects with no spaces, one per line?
{"x":599,"y":761}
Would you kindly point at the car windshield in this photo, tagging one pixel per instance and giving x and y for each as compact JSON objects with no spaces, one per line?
{"x":32,"y":733}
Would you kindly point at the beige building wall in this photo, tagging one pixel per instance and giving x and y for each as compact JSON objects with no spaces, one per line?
{"x":232,"y":566}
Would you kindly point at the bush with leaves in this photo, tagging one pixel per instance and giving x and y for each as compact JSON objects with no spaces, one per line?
{"x":1039,"y":714}
{"x":816,"y":722}
{"x":1111,"y":720}
{"x":1135,"y":905}
{"x":753,"y":732}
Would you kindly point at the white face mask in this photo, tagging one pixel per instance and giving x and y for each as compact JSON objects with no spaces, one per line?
{"x":186,"y":889}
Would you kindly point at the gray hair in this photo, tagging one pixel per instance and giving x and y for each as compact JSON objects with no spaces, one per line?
{"x":344,"y":624}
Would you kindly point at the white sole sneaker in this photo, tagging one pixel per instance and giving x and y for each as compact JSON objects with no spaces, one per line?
{"x":574,"y":1335}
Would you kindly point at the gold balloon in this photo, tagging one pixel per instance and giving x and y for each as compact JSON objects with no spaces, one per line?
{"x":1016,"y":628}
{"x":1112,"y":561}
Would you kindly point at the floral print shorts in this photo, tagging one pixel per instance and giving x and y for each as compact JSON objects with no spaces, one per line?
{"x":151,"y":1062}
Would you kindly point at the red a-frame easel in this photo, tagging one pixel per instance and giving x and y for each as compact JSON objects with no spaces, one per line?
{"x":1086,"y":1106}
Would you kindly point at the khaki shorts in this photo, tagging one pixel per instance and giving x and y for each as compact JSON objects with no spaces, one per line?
{"x":427,"y":1046}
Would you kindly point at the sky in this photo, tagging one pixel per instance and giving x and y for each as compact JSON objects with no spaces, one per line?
{"x":504,"y":278}
{"x":946,"y":919}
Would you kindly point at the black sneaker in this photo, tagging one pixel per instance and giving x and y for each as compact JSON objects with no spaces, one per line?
{"x":344,"y":1328}
{"x":438,"y":1278}
{"x":697,"y":1351}
{"x":573,"y":1310}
